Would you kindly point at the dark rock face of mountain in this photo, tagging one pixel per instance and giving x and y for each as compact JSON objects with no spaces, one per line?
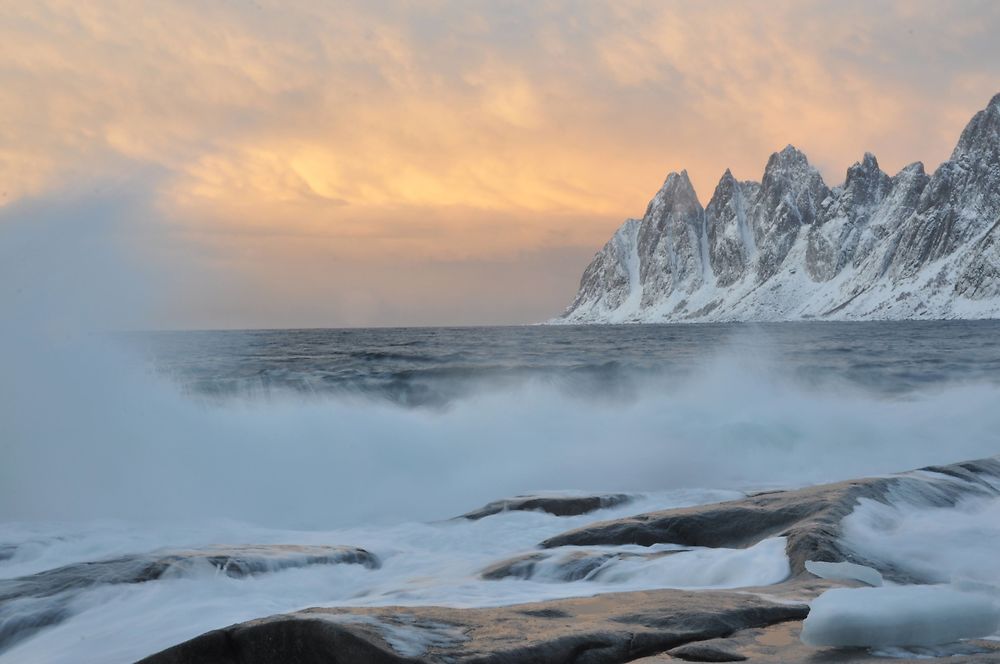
{"x":730,"y":241}
{"x":789,"y":247}
{"x":788,"y":203}
{"x":670,"y":237}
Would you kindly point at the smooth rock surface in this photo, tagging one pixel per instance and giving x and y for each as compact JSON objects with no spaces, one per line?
{"x":593,"y":630}
{"x":713,"y":650}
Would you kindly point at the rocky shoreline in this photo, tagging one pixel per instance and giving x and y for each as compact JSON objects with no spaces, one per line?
{"x":758,"y":624}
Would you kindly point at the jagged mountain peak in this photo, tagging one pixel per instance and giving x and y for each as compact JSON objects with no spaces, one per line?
{"x":726,"y":183}
{"x":788,"y":164}
{"x":982,"y":133}
{"x":677,"y":190}
{"x":866,"y":168}
{"x":915,"y":168}
{"x":789,"y":247}
{"x":866,"y":182}
{"x":787,"y":156}
{"x":791,"y":191}
{"x":868,"y":162}
{"x":676,"y":178}
{"x":678,"y":183}
{"x":729,"y":182}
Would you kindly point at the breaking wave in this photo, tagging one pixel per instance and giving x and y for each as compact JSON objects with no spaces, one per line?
{"x":90,"y":431}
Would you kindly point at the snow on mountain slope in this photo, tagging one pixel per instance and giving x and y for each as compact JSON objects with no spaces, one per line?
{"x":791,"y":248}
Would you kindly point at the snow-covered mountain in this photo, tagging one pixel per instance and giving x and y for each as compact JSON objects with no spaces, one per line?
{"x":790,"y":248}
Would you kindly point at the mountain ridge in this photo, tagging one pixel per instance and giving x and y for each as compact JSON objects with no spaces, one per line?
{"x":877,"y":247}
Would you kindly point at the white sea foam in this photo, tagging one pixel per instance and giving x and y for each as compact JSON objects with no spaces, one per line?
{"x":429,"y":563}
{"x":956,"y":545}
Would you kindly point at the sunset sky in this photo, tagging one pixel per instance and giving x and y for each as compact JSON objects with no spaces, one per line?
{"x":315,"y":163}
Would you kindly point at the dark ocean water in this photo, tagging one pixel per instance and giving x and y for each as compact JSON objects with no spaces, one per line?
{"x":435,"y":366}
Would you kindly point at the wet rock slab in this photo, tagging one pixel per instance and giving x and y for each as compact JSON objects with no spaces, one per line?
{"x":557,"y":505}
{"x":594,"y":630}
{"x":713,"y":650}
{"x":654,"y":627}
{"x":809,"y":518}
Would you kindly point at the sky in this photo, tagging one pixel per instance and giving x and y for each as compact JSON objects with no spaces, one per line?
{"x":299,"y":163}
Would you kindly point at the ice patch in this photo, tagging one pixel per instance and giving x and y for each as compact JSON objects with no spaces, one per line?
{"x":898,"y":616}
{"x":845,"y":572}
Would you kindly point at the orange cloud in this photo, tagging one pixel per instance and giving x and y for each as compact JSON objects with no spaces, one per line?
{"x":446,"y":131}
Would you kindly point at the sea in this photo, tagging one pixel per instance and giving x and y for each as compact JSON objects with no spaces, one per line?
{"x":130,"y":446}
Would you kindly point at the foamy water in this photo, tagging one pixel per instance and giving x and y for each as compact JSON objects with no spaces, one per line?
{"x":954,"y":545}
{"x":422,"y":563}
{"x":105,"y":456}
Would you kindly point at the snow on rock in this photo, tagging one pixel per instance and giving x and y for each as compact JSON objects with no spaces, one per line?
{"x":898,"y":616}
{"x":790,"y":248}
